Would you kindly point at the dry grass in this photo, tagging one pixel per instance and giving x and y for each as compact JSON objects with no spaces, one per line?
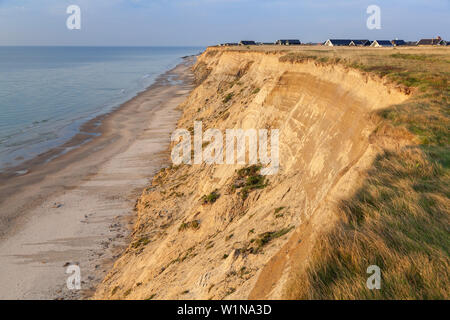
{"x":399,"y":218}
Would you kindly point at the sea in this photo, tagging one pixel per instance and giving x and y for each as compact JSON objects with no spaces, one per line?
{"x":47,"y":93}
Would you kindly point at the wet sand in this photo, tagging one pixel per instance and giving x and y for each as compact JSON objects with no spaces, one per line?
{"x":78,"y":207}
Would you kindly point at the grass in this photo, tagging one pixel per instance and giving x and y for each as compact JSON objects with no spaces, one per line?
{"x":277,"y":212}
{"x":230,"y":291}
{"x":127,"y":293}
{"x":189,"y":253}
{"x":399,"y":218}
{"x":266,"y":237}
{"x":211,"y":198}
{"x":225,"y":115}
{"x":228,"y":237}
{"x":249,"y":179}
{"x":228,"y":97}
{"x":255,"y":245}
{"x":195,"y":224}
{"x":243,"y":271}
{"x":151,"y":297}
{"x":140,"y":243}
{"x":279,"y":209}
{"x":209,"y":245}
{"x":114,"y":290}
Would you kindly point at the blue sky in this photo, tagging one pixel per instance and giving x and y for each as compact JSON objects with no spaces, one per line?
{"x":208,"y":22}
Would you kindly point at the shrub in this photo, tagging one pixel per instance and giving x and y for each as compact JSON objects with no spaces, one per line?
{"x":189,"y":225}
{"x":228,"y":97}
{"x":211,"y":198}
{"x":266,"y":237}
{"x":141,"y":242}
{"x":249,"y":179}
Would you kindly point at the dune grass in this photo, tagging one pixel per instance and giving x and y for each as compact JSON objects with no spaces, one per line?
{"x":399,"y":218}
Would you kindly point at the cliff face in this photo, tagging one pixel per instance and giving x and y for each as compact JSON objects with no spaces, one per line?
{"x":243,"y":238}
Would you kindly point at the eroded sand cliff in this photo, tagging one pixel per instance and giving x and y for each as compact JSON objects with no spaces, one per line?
{"x":245,"y":247}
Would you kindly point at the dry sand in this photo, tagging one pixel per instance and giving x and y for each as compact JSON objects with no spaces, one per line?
{"x":246,"y":247}
{"x":77,"y":208}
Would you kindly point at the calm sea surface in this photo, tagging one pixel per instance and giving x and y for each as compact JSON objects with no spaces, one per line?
{"x":47,"y":93}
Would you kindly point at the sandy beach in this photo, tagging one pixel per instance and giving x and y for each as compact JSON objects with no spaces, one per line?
{"x":78,"y":207}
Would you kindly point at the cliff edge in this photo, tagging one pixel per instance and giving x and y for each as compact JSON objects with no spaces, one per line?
{"x":218,"y":231}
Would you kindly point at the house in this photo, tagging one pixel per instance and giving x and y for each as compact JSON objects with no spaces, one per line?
{"x":397,"y":43}
{"x":247,"y":43}
{"x":426,"y":42}
{"x":228,"y":44}
{"x":337,"y":42}
{"x":381,"y":43}
{"x":291,"y":42}
{"x":360,"y":43}
{"x":429,"y":42}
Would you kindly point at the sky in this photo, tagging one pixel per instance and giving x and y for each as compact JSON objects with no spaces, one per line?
{"x":209,"y":22}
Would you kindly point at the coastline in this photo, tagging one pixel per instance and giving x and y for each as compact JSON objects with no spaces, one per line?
{"x":244,"y":243}
{"x":75,"y":209}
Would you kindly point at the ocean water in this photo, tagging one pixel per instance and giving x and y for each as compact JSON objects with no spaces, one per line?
{"x":47,"y":93}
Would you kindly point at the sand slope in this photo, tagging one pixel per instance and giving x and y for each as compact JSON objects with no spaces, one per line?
{"x":323,"y":113}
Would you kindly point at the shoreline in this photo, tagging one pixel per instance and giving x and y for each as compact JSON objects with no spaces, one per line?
{"x":76,"y":208}
{"x":91,"y":131}
{"x":88,"y":129}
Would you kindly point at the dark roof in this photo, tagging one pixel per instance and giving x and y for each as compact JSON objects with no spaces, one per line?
{"x":386,"y":43}
{"x":247,"y":42}
{"x":361,"y":42}
{"x":425,"y":41}
{"x":340,"y":42}
{"x":288,"y":41}
{"x":398,"y":42}
{"x":429,"y":41}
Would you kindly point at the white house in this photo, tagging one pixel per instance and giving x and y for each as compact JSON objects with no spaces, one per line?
{"x":381,"y":43}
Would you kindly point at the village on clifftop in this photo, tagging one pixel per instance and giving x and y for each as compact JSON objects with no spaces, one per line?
{"x":438,"y":41}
